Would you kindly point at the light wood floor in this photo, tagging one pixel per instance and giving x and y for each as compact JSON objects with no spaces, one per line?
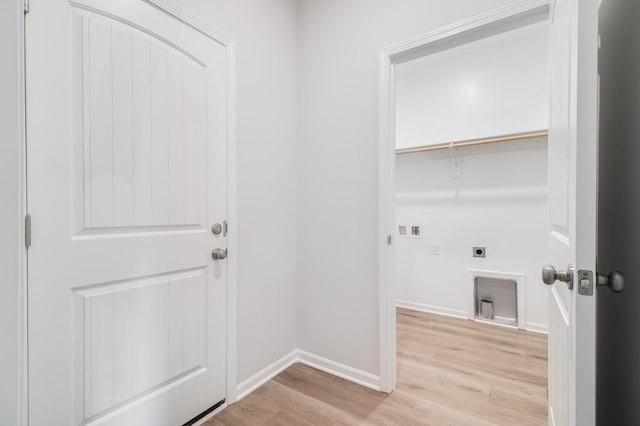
{"x":450,"y":372}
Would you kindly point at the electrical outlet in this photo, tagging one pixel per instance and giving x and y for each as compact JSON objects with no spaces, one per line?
{"x":435,"y":249}
{"x":479,"y":252}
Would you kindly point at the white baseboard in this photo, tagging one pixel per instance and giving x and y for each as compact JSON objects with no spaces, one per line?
{"x":538,"y":328}
{"x":456,"y":313}
{"x":266,"y":374}
{"x":334,"y":368}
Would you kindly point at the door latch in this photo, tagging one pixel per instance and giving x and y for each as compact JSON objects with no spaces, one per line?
{"x":585,"y":283}
{"x":615,"y":282}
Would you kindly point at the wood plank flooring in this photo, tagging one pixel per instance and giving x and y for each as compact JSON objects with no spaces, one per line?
{"x":450,"y":372}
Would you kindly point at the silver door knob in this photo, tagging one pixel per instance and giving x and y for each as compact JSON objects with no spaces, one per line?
{"x":550,"y":275}
{"x":615,"y":281}
{"x":219,"y":254}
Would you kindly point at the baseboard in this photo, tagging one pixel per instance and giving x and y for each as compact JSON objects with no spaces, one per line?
{"x":537,"y":328}
{"x":266,"y":374}
{"x":318,"y":362}
{"x":334,"y":368}
{"x":455,"y":313}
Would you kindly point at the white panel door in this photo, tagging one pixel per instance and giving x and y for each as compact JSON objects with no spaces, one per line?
{"x":126,"y":174}
{"x":572,"y":198}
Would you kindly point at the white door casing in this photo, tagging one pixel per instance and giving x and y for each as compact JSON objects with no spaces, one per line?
{"x":572,"y":190}
{"x":572,"y":208}
{"x":127,"y":124}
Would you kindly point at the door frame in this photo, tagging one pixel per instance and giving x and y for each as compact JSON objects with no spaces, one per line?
{"x":515,"y":15}
{"x":15,"y":190}
{"x":186,"y":17}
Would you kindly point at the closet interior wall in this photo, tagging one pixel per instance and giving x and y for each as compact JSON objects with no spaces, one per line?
{"x":478,"y":108}
{"x":498,"y":202}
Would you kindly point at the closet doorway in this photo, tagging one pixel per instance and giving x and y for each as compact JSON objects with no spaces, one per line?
{"x":471,"y":216}
{"x":469,"y":213}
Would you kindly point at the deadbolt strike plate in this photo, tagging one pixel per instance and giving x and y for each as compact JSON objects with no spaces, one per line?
{"x":585,"y":283}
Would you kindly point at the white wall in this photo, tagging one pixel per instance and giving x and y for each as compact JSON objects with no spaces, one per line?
{"x":496,"y":86}
{"x":10,"y":205}
{"x":499,"y":202}
{"x":265,"y":32}
{"x":339,"y":43}
{"x":307,"y":206}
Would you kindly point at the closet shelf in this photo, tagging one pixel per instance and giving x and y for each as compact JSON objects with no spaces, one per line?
{"x":472,"y":142}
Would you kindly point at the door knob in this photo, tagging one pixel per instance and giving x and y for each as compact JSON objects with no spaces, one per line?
{"x":219,"y":254}
{"x":615,"y":281}
{"x":550,"y":275}
{"x":217,"y":228}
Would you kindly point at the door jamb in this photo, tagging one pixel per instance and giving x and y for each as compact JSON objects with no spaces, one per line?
{"x":515,"y":15}
{"x":19,"y":347}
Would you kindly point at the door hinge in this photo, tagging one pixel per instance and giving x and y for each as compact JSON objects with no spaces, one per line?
{"x":27,"y":231}
{"x":388,"y":240}
{"x":27,"y":6}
